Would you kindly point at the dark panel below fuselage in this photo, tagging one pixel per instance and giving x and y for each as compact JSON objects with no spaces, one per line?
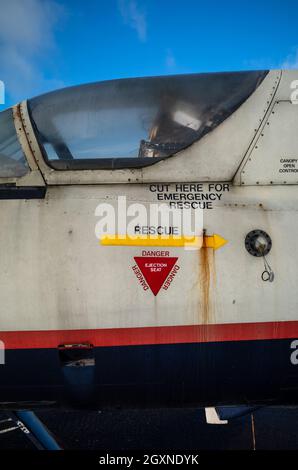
{"x":196,"y":374}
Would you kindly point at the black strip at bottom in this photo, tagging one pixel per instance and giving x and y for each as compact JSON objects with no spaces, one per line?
{"x":172,"y":375}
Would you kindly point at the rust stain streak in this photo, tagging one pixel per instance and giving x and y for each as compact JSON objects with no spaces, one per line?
{"x":206,"y":285}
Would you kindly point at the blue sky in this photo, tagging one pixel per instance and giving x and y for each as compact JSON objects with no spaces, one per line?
{"x":48,"y":44}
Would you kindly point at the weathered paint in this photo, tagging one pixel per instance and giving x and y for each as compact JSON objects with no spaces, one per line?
{"x":73,"y":282}
{"x":60,"y":285}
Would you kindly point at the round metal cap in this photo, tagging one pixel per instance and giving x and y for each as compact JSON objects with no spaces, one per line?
{"x":258,"y":243}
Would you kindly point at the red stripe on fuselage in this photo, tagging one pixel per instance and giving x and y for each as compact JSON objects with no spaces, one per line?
{"x":151,"y":335}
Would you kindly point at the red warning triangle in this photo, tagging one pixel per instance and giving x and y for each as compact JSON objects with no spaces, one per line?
{"x":155,"y":270}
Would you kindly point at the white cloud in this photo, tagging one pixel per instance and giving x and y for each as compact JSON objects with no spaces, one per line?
{"x":27,"y":35}
{"x":170,"y":60}
{"x":134,"y":17}
{"x":291,"y":62}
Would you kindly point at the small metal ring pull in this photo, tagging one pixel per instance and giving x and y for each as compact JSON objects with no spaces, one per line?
{"x":267,"y":276}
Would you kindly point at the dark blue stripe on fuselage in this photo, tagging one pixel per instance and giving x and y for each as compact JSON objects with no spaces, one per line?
{"x":156,"y":375}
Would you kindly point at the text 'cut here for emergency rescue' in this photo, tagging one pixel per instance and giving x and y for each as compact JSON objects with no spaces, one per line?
{"x":190,"y":196}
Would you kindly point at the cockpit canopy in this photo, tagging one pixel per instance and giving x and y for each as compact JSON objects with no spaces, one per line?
{"x":132,"y":123}
{"x":128,"y":123}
